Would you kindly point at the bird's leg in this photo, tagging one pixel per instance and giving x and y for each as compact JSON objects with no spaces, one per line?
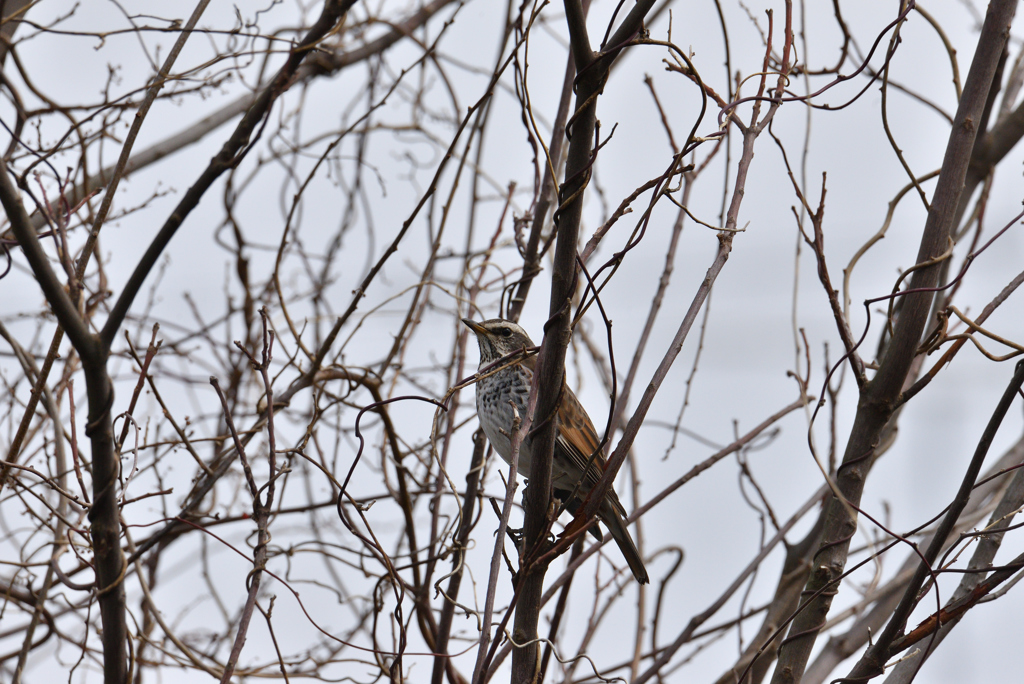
{"x":515,"y":534}
{"x":555,"y":499}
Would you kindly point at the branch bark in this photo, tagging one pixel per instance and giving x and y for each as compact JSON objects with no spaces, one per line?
{"x":592,"y":69}
{"x":877,"y":401}
{"x":872,"y":663}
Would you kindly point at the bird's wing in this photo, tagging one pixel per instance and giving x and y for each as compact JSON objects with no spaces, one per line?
{"x":578,"y":441}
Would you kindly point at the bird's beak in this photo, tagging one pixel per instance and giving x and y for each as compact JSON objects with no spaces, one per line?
{"x":474,"y":326}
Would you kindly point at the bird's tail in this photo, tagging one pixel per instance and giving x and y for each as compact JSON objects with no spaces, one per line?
{"x":616,"y":525}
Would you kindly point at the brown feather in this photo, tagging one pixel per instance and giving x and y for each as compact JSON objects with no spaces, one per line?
{"x":577,"y":444}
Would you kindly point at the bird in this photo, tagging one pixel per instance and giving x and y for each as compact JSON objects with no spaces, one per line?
{"x":576,"y":443}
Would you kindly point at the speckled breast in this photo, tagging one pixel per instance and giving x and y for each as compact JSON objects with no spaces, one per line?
{"x":495,"y":396}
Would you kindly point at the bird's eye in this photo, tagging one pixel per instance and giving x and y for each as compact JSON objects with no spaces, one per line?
{"x":506,"y":332}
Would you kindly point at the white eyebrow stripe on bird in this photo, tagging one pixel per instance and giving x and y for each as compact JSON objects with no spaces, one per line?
{"x":579,"y":459}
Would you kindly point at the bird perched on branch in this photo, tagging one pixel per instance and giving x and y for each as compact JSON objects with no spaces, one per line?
{"x":576,"y":444}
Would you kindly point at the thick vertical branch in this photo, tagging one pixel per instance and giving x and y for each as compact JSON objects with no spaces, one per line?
{"x":551,"y":360}
{"x":104,"y":516}
{"x":593,"y":72}
{"x":105,"y":532}
{"x":877,"y":401}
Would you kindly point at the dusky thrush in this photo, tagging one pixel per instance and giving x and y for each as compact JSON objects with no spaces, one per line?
{"x":577,"y":440}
